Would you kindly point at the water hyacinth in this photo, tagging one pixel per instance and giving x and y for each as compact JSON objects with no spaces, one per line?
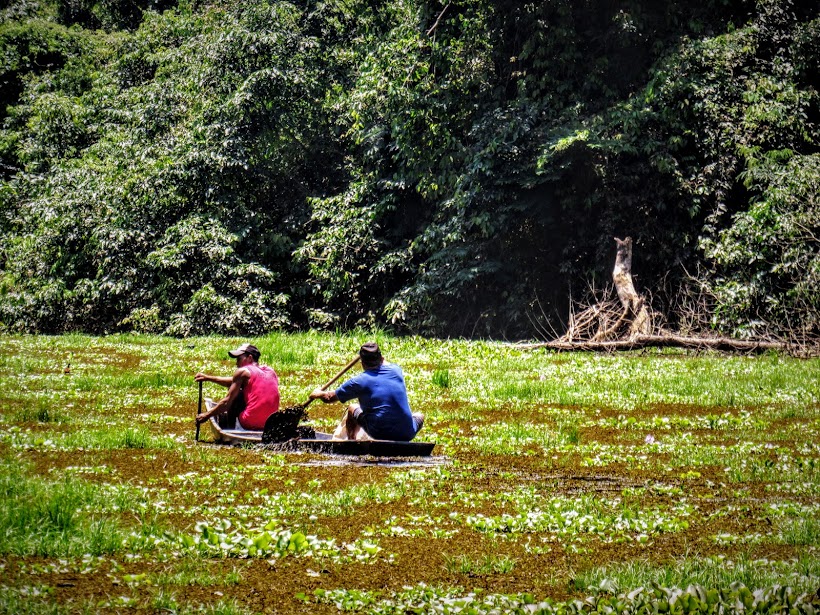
{"x":549,"y":469}
{"x":602,"y":519}
{"x":223,"y":539}
{"x":736,"y":599}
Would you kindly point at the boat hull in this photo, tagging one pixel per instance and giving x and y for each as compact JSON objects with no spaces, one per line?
{"x":324,"y":443}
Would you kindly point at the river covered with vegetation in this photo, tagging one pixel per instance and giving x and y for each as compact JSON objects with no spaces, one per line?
{"x":649,"y":482}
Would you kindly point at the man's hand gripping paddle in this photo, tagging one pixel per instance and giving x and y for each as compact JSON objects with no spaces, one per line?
{"x":326,"y":386}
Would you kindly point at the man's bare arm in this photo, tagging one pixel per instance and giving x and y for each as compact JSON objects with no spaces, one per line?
{"x":224,"y":381}
{"x":239,"y":379}
{"x":326,"y":396}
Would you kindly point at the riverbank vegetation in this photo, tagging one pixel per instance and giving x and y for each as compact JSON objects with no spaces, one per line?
{"x":456,"y":167}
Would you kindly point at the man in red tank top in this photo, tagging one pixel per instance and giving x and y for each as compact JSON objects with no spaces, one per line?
{"x":253,"y":390}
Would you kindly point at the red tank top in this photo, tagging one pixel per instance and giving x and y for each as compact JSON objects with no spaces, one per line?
{"x":261,"y":397}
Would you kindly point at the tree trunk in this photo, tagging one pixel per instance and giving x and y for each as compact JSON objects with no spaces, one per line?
{"x":634,"y":306}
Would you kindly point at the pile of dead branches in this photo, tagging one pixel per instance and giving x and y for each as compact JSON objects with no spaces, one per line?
{"x":630,"y":323}
{"x":604,"y":321}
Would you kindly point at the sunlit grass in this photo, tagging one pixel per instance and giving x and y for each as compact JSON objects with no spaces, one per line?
{"x":514,"y":438}
{"x":49,"y":518}
{"x":441,"y":378}
{"x":488,"y":564}
{"x":629,"y":381}
{"x":155,"y":380}
{"x":287,"y":352}
{"x":726,"y":421}
{"x":97,"y":438}
{"x":40,"y":412}
{"x":802,"y":527}
{"x":38,"y":600}
{"x":191,"y":571}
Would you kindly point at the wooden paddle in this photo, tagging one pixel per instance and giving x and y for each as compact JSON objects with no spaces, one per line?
{"x":281,"y":426}
{"x":343,"y":371}
{"x":198,"y":411}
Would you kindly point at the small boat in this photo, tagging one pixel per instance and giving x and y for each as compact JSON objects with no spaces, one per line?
{"x":223,"y":435}
{"x":324,"y":443}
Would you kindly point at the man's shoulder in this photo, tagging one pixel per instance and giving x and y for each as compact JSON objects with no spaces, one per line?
{"x":391,"y":367}
{"x":241,"y":373}
{"x":377,"y":372}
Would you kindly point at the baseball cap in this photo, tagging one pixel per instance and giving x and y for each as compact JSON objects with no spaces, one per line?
{"x":245,"y":349}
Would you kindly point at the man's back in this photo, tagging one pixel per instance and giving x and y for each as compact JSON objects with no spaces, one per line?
{"x":382,"y":394}
{"x":261,"y":396}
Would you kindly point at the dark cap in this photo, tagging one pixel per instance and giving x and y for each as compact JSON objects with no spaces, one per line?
{"x":246,"y":349}
{"x":370,"y":353}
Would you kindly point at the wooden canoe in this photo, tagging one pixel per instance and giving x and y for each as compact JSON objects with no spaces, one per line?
{"x":233,"y":436}
{"x":324,"y":443}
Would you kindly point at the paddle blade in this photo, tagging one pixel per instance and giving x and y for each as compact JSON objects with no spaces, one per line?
{"x":282,"y":425}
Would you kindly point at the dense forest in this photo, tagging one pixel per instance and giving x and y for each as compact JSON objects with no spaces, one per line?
{"x":441,"y":167}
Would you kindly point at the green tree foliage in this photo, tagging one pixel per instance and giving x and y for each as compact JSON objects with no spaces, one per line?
{"x":175,"y":185}
{"x":738,"y":114}
{"x":439,"y":166}
{"x":767,"y":261}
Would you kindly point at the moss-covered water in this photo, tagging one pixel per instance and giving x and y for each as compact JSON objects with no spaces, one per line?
{"x":554,"y":477}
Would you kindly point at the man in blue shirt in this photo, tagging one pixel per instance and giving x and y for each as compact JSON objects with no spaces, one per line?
{"x":383,"y":412}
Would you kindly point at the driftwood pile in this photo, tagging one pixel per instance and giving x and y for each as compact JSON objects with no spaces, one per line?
{"x":629,"y":323}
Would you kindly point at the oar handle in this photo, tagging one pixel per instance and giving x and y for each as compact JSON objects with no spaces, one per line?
{"x":341,"y":373}
{"x":198,"y":411}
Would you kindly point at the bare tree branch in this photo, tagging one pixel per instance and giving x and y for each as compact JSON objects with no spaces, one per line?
{"x":438,"y":19}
